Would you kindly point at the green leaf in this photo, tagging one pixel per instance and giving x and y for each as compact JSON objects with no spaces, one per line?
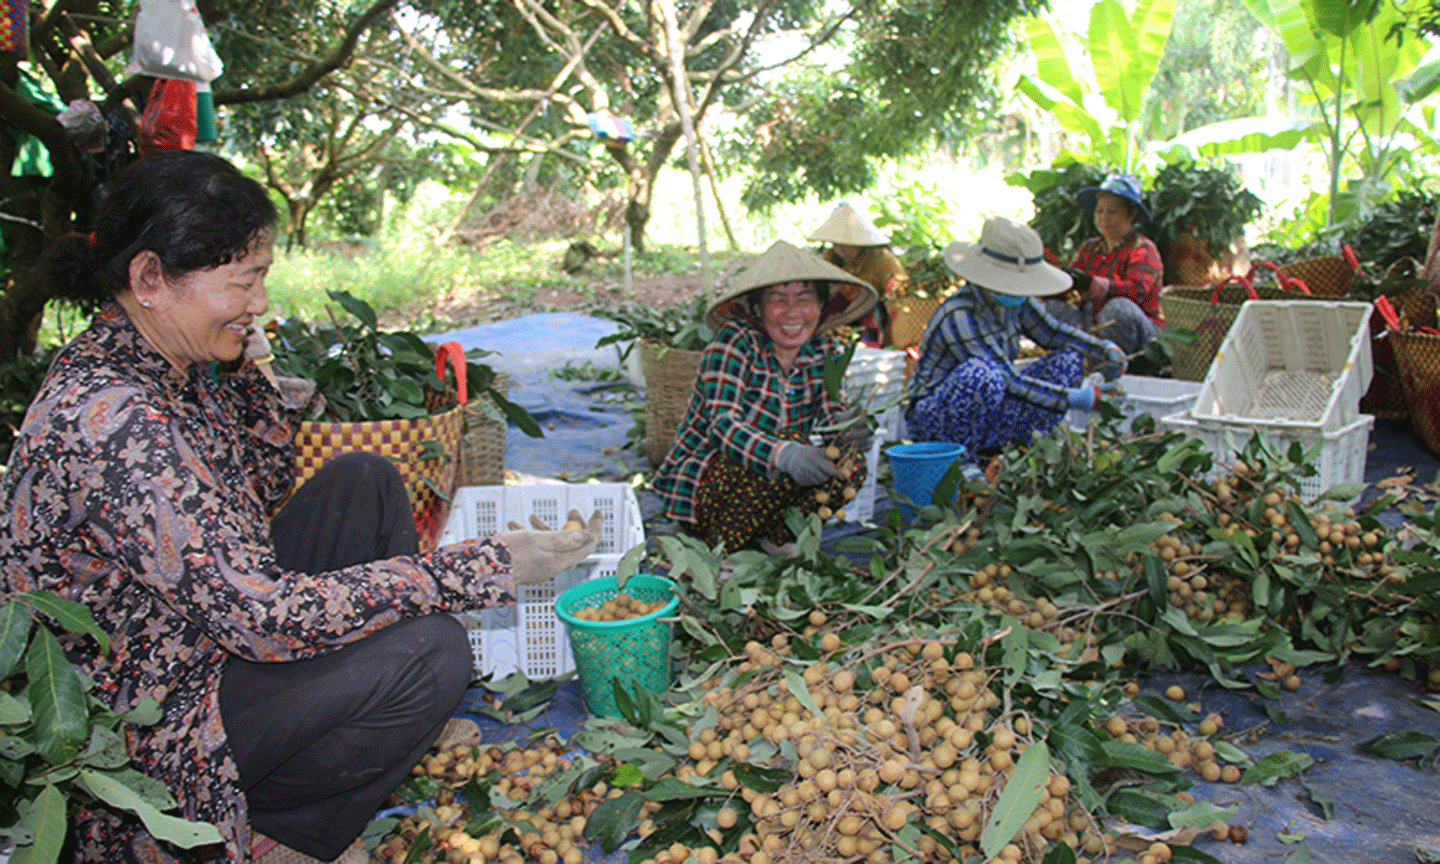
{"x":1201,"y":814}
{"x":106,"y":749}
{"x":796,"y":682}
{"x":1142,"y":807}
{"x":670,"y":789}
{"x":1403,"y":746}
{"x":517,"y":415}
{"x":1113,"y":54}
{"x":1343,"y":492}
{"x":1051,"y":65}
{"x":1060,"y":853}
{"x":614,"y":819}
{"x":759,"y":778}
{"x":74,"y":617}
{"x":357,"y":307}
{"x":702,"y":574}
{"x":1301,"y":855}
{"x":1164,"y":709}
{"x":1230,"y":753}
{"x":629,"y":563}
{"x":1018,"y":800}
{"x":12,"y":711}
{"x":147,"y":713}
{"x":1123,"y":754}
{"x":627,"y":775}
{"x":45,"y":820}
{"x":14,"y":634}
{"x":57,"y":699}
{"x":183,"y":833}
{"x":1277,"y":766}
{"x":535,"y":694}
{"x":1137,"y":537}
{"x":1191,"y":854}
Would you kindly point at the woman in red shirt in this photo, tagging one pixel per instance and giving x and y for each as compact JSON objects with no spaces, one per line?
{"x":1118,"y":273}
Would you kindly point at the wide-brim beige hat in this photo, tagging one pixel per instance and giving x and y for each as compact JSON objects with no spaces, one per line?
{"x":849,"y":227}
{"x":1010,"y":259}
{"x":850,"y":296}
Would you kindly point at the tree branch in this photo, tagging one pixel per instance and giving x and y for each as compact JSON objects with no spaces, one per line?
{"x":312,"y":74}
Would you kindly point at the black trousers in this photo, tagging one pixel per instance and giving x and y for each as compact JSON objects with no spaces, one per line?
{"x":320,"y":743}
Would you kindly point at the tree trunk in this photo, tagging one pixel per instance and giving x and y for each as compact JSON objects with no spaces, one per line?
{"x":298,"y":210}
{"x":642,"y":179}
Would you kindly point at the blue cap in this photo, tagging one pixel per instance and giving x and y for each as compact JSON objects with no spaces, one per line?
{"x":1124,"y":185}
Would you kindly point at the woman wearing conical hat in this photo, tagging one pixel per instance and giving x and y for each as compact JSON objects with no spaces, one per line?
{"x":742,"y":456}
{"x":861,"y":249}
{"x":965,"y":388}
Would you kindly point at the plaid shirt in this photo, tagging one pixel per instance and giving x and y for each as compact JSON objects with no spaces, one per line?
{"x":971,"y":324}
{"x":742,"y":398}
{"x":1131,"y":270}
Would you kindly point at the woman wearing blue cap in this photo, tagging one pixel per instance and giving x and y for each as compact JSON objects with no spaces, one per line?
{"x":1118,"y":273}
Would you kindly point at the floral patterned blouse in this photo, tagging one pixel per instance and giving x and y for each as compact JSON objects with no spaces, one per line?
{"x":143,"y":493}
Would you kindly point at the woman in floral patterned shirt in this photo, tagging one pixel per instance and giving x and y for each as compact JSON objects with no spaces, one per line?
{"x":741,"y":456}
{"x":140,"y":484}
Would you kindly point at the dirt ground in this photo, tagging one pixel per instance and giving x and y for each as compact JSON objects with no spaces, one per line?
{"x":603,"y":290}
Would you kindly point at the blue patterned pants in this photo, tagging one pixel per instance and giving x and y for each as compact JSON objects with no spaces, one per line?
{"x":971,"y":406}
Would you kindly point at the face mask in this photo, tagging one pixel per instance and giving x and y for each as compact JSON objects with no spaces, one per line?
{"x":1010,"y":301}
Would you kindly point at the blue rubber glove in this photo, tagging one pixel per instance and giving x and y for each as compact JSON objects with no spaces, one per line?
{"x":1084,"y":397}
{"x":807,"y":465}
{"x":1115,"y":363}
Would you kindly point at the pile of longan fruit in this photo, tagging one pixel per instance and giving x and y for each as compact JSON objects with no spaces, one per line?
{"x":621,"y":607}
{"x":928,"y":743}
{"x":847,"y":461}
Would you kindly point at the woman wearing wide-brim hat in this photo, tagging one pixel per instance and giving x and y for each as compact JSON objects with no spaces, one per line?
{"x":742,"y":457}
{"x":965,"y":388}
{"x":861,"y":249}
{"x":1118,"y":273}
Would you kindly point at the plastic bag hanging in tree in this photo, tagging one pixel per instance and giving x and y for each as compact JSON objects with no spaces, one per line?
{"x":169,"y":119}
{"x":170,"y":42}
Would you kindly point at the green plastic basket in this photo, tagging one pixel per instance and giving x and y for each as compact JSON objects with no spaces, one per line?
{"x":636,"y":648}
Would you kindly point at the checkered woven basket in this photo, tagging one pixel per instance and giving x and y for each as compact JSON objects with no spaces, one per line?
{"x":15,"y":29}
{"x":423,"y":466}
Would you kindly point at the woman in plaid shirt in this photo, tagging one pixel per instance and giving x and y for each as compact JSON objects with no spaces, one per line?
{"x":965,"y":388}
{"x":1118,"y":273}
{"x":742,"y":457}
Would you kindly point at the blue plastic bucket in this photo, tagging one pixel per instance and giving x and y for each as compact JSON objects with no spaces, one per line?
{"x":917,"y":468}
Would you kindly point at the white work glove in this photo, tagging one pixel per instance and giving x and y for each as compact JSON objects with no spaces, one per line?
{"x":543,"y":553}
{"x":807,"y":465}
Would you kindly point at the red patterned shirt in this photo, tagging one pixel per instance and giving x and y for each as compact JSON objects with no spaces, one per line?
{"x":142,"y":492}
{"x":1132,"y":270}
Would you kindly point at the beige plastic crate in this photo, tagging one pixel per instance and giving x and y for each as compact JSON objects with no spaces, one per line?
{"x":528,"y":636}
{"x":1341,"y":459}
{"x":1297,"y":364}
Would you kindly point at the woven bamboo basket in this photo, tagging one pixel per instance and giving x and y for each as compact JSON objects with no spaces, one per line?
{"x":1209,"y":313}
{"x":1327,"y":276}
{"x":669,"y":378}
{"x":482,"y":449}
{"x":1418,"y":357}
{"x":908,"y":317}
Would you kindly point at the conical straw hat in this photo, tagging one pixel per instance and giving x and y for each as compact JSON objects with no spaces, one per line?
{"x":850,"y":297}
{"x":849,"y":227}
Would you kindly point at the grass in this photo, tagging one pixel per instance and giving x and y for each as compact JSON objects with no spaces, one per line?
{"x":415,"y":278}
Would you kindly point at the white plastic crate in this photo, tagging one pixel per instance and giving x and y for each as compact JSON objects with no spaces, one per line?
{"x":1341,"y":458}
{"x":1158,"y":397}
{"x":876,"y":376}
{"x":1302,"y":364}
{"x":528,"y":636}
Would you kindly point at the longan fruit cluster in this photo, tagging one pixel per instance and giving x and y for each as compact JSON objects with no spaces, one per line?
{"x":848,"y":462}
{"x":1195,"y":752}
{"x":621,"y":607}
{"x":549,"y":834}
{"x":925,"y":744}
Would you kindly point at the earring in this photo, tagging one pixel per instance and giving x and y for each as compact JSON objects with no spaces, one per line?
{"x":145,"y":303}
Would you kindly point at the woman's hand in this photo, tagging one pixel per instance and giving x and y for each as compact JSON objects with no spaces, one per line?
{"x":543,"y":553}
{"x":1115,"y":362}
{"x":807,"y":465}
{"x":1079,"y":279}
